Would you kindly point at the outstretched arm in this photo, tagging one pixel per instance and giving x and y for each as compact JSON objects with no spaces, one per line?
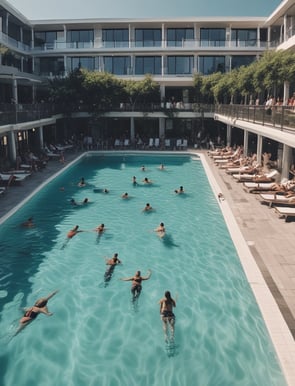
{"x":51,"y":295}
{"x":126,"y":278}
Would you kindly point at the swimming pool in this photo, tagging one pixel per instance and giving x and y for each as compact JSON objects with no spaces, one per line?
{"x":96,"y":335}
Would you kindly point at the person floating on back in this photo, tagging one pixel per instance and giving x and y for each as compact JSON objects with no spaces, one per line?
{"x":136,"y":283}
{"x":179,"y":191}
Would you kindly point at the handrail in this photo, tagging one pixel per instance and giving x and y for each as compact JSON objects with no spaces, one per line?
{"x":280,"y":117}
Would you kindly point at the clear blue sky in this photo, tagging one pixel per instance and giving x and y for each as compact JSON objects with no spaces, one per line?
{"x":73,"y":9}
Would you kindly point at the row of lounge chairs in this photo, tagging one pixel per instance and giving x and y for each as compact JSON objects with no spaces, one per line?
{"x":279,"y":195}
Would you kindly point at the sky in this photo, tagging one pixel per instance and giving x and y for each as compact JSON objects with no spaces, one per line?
{"x":73,"y":9}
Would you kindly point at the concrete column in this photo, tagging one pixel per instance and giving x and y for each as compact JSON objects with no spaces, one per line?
{"x":161,"y":127}
{"x":285,"y":38}
{"x":246,"y":141}
{"x":258,"y":36}
{"x":286,"y":92}
{"x":163,"y":36}
{"x":14,"y":90}
{"x":132,"y":129}
{"x":259,"y":148}
{"x":40,"y":134}
{"x":228,"y":135}
{"x":286,"y":161}
{"x":11,"y":146}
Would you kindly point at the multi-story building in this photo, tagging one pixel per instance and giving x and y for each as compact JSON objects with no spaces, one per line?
{"x":171,"y":50}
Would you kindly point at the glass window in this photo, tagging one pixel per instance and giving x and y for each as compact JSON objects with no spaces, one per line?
{"x":148,"y":37}
{"x":118,"y":65}
{"x":115,"y":37}
{"x":180,"y":65}
{"x":45,"y":37}
{"x":176,"y":36}
{"x":240,"y":60}
{"x":212,"y":37}
{"x":210,"y":64}
{"x":85,"y":36}
{"x":244,"y":37}
{"x":51,"y":66}
{"x":148,"y":65}
{"x":82,"y":62}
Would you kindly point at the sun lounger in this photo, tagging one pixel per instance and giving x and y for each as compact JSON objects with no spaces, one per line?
{"x":2,"y":190}
{"x":7,"y":179}
{"x":240,"y":170}
{"x":256,"y":187}
{"x":285,"y":211}
{"x":278,"y":199}
{"x":268,"y":177}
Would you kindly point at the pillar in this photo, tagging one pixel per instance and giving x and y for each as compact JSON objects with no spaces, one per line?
{"x":259,"y":148}
{"x":286,"y":92}
{"x":11,"y":146}
{"x":132,"y":129}
{"x":246,"y":141}
{"x":40,"y":137}
{"x":14,"y":90}
{"x":286,"y":161}
{"x":228,"y":135}
{"x":162,"y":127}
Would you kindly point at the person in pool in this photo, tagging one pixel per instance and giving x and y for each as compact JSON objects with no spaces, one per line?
{"x":179,"y":191}
{"x":29,"y":223}
{"x":166,"y":311}
{"x":125,"y":196}
{"x":134,"y":182}
{"x":111,"y":267}
{"x":82,"y":183}
{"x":147,"y":208}
{"x":136,"y":283}
{"x":147,"y":181}
{"x":100,"y":229}
{"x":161,"y":231}
{"x":40,"y":307}
{"x":73,"y":232}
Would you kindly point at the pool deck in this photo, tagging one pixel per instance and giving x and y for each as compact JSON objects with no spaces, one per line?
{"x":260,"y":234}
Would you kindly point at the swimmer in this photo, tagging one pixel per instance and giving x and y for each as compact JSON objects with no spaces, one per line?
{"x":40,"y":307}
{"x":167,"y":315}
{"x":147,"y":208}
{"x":73,"y":202}
{"x":136,"y":283}
{"x":100,"y":229}
{"x":85,"y":201}
{"x":143,"y":168}
{"x":161,"y":231}
{"x":147,"y":181}
{"x":125,"y":196}
{"x":134,"y":180}
{"x":179,"y":191}
{"x":105,"y":190}
{"x":162,"y":167}
{"x":73,"y":232}
{"x":114,"y":260}
{"x":29,"y":223}
{"x":82,"y":183}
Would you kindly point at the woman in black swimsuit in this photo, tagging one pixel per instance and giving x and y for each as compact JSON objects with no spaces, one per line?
{"x":136,"y":282}
{"x":40,"y":307}
{"x":167,"y":315}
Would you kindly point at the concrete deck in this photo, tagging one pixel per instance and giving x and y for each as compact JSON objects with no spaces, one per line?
{"x":270,"y":239}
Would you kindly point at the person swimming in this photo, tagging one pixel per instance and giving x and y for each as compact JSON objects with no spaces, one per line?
{"x":167,"y":316}
{"x":134,"y":182}
{"x":136,"y":286}
{"x":73,"y":232}
{"x":179,"y":191}
{"x":147,"y":181}
{"x":82,"y":183}
{"x":125,"y":196}
{"x":161,"y":231}
{"x":29,"y":223}
{"x":147,"y":208}
{"x":111,"y":267}
{"x":100,"y":229}
{"x":40,"y":307}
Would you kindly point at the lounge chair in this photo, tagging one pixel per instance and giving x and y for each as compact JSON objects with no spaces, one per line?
{"x":8,"y":179}
{"x":151,"y":142}
{"x":126,"y":143}
{"x":285,"y":211}
{"x":167,"y":143}
{"x":157,"y":142}
{"x":184,"y":144}
{"x":268,"y":177}
{"x":278,"y":199}
{"x":242,"y":170}
{"x":256,"y":187}
{"x":2,"y":190}
{"x":178,"y":144}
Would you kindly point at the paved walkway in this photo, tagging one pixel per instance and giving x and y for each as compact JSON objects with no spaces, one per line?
{"x":270,"y":239}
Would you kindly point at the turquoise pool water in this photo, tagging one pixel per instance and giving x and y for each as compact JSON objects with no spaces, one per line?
{"x":97,"y":336}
